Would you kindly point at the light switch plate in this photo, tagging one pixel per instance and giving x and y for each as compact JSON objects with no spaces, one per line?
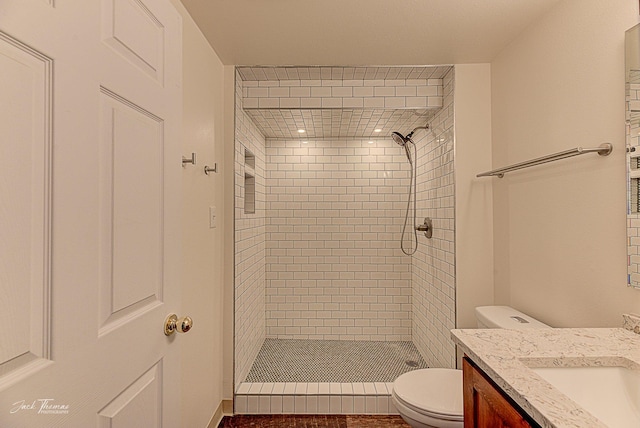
{"x":212,"y":217}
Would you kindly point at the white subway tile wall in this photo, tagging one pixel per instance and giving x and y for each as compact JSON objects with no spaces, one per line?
{"x":334,"y":269}
{"x":340,"y":102}
{"x":433,"y":270}
{"x":342,"y":73}
{"x":249,"y":244}
{"x":633,"y":191}
{"x":315,"y":398}
{"x":320,"y":257}
{"x":423,"y":93}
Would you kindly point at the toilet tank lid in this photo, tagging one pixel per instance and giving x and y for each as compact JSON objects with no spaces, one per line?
{"x":506,"y":317}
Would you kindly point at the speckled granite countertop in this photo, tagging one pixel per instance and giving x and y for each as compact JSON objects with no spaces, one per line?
{"x":507,"y":356}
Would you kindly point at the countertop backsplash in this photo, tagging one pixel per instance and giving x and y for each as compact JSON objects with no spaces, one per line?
{"x":631,"y":322}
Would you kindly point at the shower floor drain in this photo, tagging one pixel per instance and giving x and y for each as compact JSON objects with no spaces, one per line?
{"x":412,"y":363}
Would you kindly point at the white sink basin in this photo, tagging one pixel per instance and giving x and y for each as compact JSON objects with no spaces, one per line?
{"x":611,"y":394}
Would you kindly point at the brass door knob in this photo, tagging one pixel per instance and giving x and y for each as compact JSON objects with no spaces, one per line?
{"x":173,"y":324}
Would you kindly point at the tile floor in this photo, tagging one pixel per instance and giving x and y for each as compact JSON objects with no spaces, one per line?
{"x":342,"y":361}
{"x":312,"y":421}
{"x":311,"y":377}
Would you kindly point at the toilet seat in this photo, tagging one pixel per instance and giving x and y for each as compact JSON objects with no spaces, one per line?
{"x":435,"y":393}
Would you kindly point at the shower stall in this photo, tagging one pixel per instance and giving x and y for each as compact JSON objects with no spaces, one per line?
{"x":328,"y":308}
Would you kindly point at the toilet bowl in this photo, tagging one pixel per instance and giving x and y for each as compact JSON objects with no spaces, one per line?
{"x":429,"y":398}
{"x":432,"y":398}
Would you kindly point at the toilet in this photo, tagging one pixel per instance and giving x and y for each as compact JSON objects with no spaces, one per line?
{"x":432,"y":398}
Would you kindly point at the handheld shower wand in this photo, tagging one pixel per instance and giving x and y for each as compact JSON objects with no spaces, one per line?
{"x":403,"y":141}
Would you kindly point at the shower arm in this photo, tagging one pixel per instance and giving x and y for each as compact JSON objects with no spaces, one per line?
{"x":410,"y":134}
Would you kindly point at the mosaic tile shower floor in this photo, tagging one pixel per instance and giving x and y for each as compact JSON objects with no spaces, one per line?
{"x":292,"y":360}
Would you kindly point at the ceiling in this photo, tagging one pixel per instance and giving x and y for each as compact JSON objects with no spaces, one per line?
{"x":336,"y":123}
{"x":355,"y":39}
{"x":362,"y":32}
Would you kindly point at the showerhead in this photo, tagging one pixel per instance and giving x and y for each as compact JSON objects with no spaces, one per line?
{"x":400,"y":139}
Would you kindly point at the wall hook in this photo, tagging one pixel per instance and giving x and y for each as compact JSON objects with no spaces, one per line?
{"x":187,"y":160}
{"x":207,"y":169}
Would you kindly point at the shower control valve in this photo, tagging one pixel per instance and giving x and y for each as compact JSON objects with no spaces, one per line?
{"x":426,"y":227}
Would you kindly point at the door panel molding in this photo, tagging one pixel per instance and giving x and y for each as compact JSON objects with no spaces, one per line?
{"x":25,"y":189}
{"x":132,"y":30}
{"x":132,"y":252}
{"x":139,"y":404}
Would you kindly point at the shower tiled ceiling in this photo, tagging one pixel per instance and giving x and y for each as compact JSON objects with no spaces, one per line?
{"x":336,"y":123}
{"x":284,"y":123}
{"x":342,"y":73}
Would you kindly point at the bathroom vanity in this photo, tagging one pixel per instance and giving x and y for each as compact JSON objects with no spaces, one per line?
{"x":552,"y":378}
{"x":486,"y":405}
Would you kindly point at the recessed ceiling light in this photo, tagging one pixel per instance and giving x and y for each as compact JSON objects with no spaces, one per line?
{"x":370,"y":142}
{"x":301,"y":131}
{"x":377,"y":130}
{"x":304,"y":142}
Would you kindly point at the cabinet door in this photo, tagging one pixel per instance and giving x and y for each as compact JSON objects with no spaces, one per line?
{"x":485,"y":406}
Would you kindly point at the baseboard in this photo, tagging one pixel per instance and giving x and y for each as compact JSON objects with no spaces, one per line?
{"x":227,"y":407}
{"x":224,"y":409}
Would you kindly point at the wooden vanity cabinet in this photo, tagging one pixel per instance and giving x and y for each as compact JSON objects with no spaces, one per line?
{"x":486,"y":405}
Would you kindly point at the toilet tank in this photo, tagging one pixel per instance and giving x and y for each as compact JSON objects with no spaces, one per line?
{"x":505,"y":317}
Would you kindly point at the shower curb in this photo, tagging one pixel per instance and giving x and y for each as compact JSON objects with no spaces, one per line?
{"x":314,"y":398}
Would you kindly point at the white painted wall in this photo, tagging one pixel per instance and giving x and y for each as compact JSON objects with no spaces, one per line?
{"x":474,"y":196}
{"x":202,"y":247}
{"x":559,"y":229}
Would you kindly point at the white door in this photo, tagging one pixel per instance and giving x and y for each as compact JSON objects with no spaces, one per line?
{"x":90,"y":116}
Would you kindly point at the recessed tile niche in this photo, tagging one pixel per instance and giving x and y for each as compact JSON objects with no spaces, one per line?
{"x":249,"y":182}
